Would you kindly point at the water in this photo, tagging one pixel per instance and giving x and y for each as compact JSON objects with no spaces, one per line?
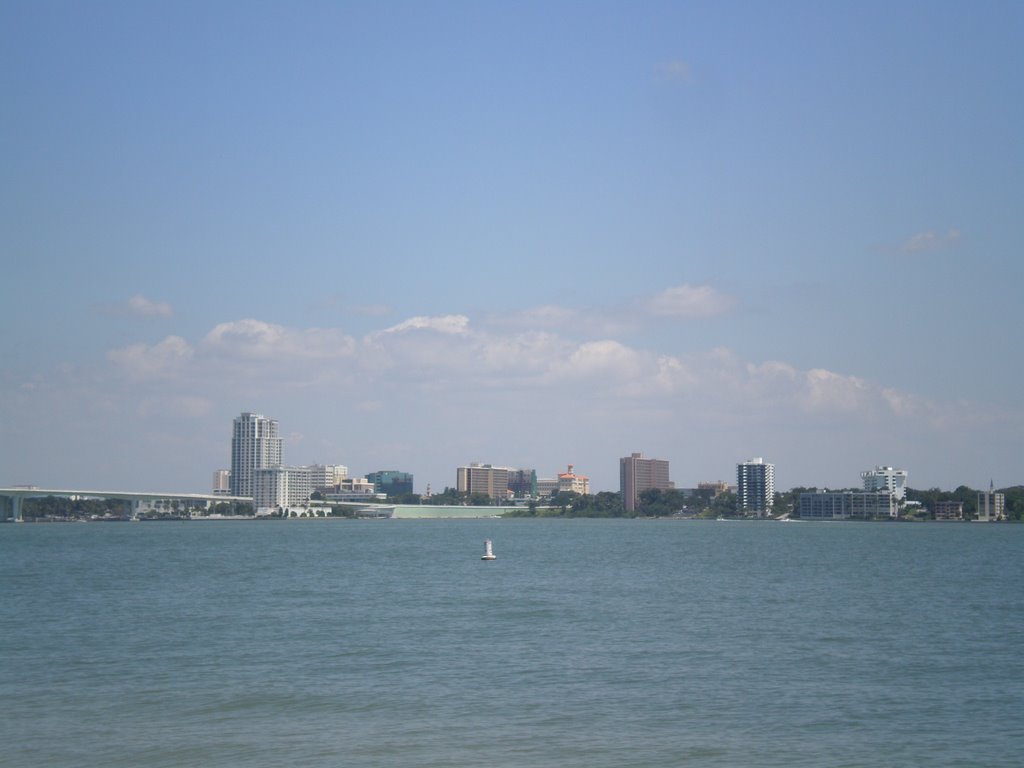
{"x":643,"y":644}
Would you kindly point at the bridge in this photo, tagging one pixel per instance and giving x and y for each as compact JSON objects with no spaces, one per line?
{"x":12,"y":497}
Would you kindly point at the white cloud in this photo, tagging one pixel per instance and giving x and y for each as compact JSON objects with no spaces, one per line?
{"x":453,"y":324}
{"x":168,"y":357}
{"x":601,"y":358}
{"x":930,"y":241}
{"x":437,"y":372}
{"x":254,"y":339}
{"x":825,"y":390}
{"x":900,"y":403}
{"x":689,"y":301}
{"x":140,"y":305}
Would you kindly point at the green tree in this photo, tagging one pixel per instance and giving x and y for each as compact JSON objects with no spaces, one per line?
{"x":1014,"y":502}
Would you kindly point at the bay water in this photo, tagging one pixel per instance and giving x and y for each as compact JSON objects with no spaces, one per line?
{"x":619,"y":643}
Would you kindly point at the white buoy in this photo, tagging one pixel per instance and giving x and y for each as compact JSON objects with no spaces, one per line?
{"x":488,"y":554}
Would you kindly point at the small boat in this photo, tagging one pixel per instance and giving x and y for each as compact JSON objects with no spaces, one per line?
{"x":488,"y":554}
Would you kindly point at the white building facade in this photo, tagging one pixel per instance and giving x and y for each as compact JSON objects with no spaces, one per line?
{"x":282,"y":487}
{"x":327,"y":475}
{"x":991,"y":507}
{"x":886,"y":479}
{"x":848,"y":505}
{"x":755,"y":486}
{"x":255,"y":445}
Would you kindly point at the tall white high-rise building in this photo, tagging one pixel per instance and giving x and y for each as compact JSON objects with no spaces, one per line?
{"x":755,"y":486}
{"x":255,"y":444}
{"x":886,"y":479}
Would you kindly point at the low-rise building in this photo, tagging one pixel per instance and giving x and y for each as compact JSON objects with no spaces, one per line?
{"x":949,"y":510}
{"x":391,"y":482}
{"x":848,"y":505}
{"x":716,"y":488}
{"x":522,"y":483}
{"x":327,"y":475}
{"x":546,"y":486}
{"x":573,"y":483}
{"x":222,"y":482}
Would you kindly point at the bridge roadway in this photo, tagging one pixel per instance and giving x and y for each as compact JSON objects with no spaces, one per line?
{"x":11,"y":498}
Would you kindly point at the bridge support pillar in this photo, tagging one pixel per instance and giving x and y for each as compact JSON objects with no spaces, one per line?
{"x":16,"y":508}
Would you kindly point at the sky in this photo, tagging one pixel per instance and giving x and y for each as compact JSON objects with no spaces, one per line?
{"x":421,"y":235}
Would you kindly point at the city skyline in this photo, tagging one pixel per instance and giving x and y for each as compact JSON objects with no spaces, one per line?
{"x":534,"y":235}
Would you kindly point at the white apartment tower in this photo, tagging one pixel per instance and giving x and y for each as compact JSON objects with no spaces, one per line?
{"x":755,"y":486}
{"x":886,"y":479}
{"x":255,"y":445}
{"x":991,"y":506}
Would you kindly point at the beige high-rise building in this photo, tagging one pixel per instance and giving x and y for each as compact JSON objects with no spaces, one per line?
{"x":483,"y":478}
{"x":637,"y":474}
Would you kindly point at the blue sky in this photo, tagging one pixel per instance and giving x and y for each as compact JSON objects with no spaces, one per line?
{"x":529,"y":234}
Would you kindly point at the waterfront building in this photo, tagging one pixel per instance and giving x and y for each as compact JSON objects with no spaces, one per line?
{"x":522,"y":483}
{"x":546,"y":486}
{"x":716,"y":488}
{"x":949,"y":510}
{"x":363,"y":493}
{"x":270,"y":488}
{"x":277,"y":487}
{"x":391,"y":482}
{"x":991,"y":506}
{"x":483,"y":478}
{"x":755,"y":486}
{"x":255,"y":445}
{"x":327,"y":475}
{"x":847,"y":505}
{"x":637,"y":474}
{"x":573,"y":483}
{"x":222,"y":482}
{"x":357,"y":485}
{"x":886,"y":479}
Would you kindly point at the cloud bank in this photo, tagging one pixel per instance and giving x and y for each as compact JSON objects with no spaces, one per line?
{"x":542,"y":388}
